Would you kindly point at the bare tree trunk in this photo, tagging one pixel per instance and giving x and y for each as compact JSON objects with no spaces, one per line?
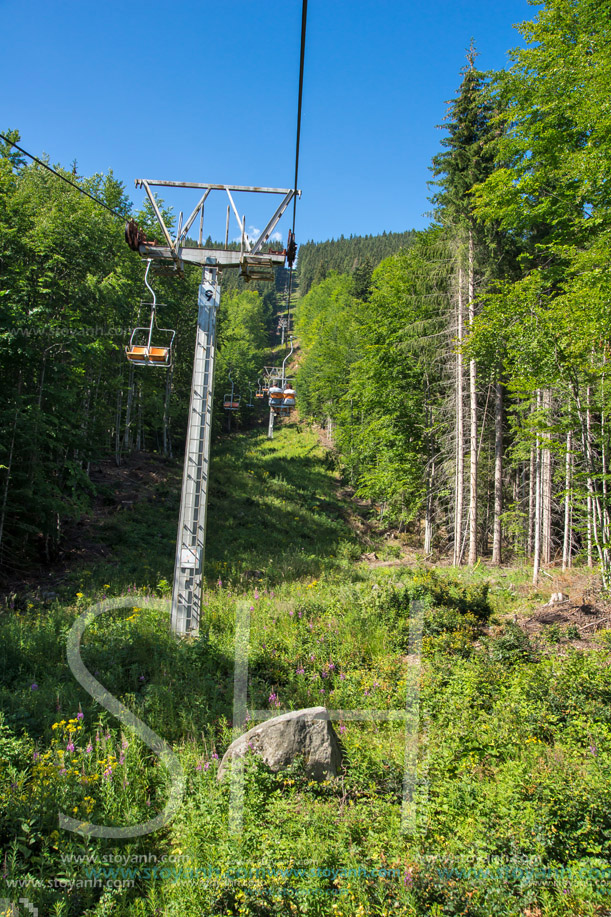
{"x":531,"y":504}
{"x":546,"y":485}
{"x":460,"y":431}
{"x":127,"y":437}
{"x":167,"y":436}
{"x":498,"y":473}
{"x":428,"y":519}
{"x":473,"y":421}
{"x":566,"y":542}
{"x":537,"y":525}
{"x":118,"y":427}
{"x":590,"y":504}
{"x":9,"y":467}
{"x":139,"y":432}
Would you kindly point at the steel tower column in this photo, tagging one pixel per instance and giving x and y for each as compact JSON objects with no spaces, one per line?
{"x":187,"y":590}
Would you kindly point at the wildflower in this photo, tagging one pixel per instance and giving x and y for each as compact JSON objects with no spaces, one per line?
{"x":272,"y":594}
{"x":312,"y":658}
{"x":199,"y":767}
{"x":252,"y":608}
{"x":141,"y":678}
{"x":80,"y":715}
{"x":215,"y":756}
{"x":108,"y":772}
{"x":331,"y":665}
{"x":206,"y":765}
{"x":342,"y":728}
{"x":291,"y":613}
{"x":256,"y":594}
{"x":121,"y":758}
{"x":220,"y":584}
{"x":35,"y":756}
{"x":300,"y":670}
{"x":79,"y":595}
{"x":89,"y":748}
{"x":124,"y":743}
{"x":342,"y":675}
{"x":70,"y":746}
{"x":272,"y":698}
{"x":34,"y":686}
{"x":97,"y":736}
{"x":106,"y":586}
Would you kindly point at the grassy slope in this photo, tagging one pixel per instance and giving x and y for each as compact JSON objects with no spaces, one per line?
{"x":515,"y":744}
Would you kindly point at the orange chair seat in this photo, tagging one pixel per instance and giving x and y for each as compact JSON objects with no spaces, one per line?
{"x":144,"y":354}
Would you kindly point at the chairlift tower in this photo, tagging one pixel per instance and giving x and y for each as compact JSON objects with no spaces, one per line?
{"x":254,"y":264}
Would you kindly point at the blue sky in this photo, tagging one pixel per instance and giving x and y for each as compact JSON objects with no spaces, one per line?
{"x":207,"y":91}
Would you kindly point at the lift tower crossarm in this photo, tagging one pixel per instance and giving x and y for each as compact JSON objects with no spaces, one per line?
{"x":225,"y":258}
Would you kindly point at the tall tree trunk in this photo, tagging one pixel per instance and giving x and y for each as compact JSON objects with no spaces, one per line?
{"x":139,"y":431}
{"x":127,"y":436}
{"x":566,"y":542}
{"x":473,"y":420}
{"x":498,"y":473}
{"x":430,"y":474}
{"x":9,"y":467}
{"x":590,"y":503}
{"x":118,"y":427}
{"x":460,"y":431}
{"x":546,"y":484}
{"x":537,"y":521}
{"x":167,"y":435}
{"x":531,"y":504}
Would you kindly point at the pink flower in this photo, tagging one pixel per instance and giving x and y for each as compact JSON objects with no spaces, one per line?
{"x":70,"y":746}
{"x":80,"y":715}
{"x":256,"y":594}
{"x":89,"y":749}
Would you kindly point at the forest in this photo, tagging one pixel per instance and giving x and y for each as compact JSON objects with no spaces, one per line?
{"x":423,"y":548}
{"x":466,"y":387}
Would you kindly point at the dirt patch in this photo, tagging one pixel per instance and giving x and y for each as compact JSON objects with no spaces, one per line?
{"x":118,"y":489}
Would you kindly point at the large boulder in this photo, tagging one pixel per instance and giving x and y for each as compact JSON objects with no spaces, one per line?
{"x":279,"y":741}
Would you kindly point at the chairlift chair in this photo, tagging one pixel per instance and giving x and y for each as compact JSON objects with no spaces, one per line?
{"x":231,"y":401}
{"x":141,"y":350}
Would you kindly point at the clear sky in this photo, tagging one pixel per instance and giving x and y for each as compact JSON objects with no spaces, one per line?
{"x":207,"y":91}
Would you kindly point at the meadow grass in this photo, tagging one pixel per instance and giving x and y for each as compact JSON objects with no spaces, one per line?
{"x":513,"y":792}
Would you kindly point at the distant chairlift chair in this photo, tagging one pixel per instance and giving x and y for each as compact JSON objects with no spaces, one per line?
{"x":231,"y":401}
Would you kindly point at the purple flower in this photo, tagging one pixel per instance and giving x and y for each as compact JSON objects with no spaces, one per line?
{"x":300,"y":670}
{"x":342,"y":728}
{"x":407,"y":879}
{"x":272,"y":594}
{"x":199,"y":767}
{"x":35,"y":756}
{"x":215,"y":756}
{"x":252,"y":608}
{"x":89,"y":748}
{"x":80,"y":715}
{"x":70,"y":746}
{"x":322,"y":690}
{"x":206,"y":765}
{"x":291,"y":613}
{"x":312,"y":658}
{"x":220,"y":583}
{"x":256,"y":594}
{"x":331,"y":666}
{"x":272,"y":698}
{"x":300,"y":614}
{"x":121,"y":758}
{"x":62,"y":770}
{"x":342,"y":675}
{"x":124,"y":743}
{"x":34,"y":686}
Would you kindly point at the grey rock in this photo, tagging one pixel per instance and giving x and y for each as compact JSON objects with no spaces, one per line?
{"x":280,"y":740}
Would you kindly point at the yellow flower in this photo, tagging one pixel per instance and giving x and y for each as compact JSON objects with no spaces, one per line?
{"x":79,"y":595}
{"x":106,"y":586}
